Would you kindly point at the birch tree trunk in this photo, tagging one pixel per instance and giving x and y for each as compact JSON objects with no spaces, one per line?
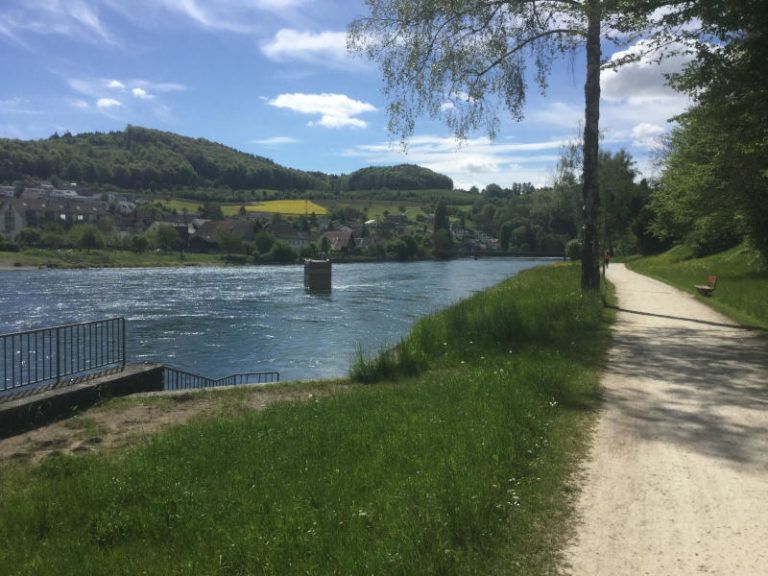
{"x":590,"y":260}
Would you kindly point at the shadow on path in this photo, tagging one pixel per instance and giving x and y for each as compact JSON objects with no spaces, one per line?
{"x":706,"y":391}
{"x":695,"y":320}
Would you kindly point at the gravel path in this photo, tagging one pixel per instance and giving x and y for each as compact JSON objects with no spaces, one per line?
{"x":677,"y":478}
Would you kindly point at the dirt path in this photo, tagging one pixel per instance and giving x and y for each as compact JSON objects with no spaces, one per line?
{"x":677,"y":478}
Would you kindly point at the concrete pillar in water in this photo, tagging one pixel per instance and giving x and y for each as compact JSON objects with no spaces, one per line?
{"x":317,"y":275}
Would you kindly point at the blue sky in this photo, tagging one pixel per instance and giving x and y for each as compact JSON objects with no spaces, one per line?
{"x":272,"y":77}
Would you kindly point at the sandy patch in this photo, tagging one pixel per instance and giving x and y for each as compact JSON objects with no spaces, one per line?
{"x":125,"y":421}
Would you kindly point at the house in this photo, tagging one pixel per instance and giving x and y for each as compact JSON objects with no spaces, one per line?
{"x":284,"y":232}
{"x":340,"y":240}
{"x":11,"y":219}
{"x":181,"y":230}
{"x":19,"y":213}
{"x":396,"y":220}
{"x":206,"y":236}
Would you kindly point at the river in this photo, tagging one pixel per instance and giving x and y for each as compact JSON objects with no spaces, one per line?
{"x":216,"y":321}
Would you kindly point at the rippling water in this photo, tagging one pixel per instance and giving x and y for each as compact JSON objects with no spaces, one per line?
{"x":219,"y":321}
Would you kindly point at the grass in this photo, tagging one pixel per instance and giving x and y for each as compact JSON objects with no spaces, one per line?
{"x":181,"y":206}
{"x":742,"y":280}
{"x":72,"y":258}
{"x":457,"y":462}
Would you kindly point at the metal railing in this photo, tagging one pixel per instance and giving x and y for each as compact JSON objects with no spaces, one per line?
{"x":48,"y":357}
{"x":175,"y":379}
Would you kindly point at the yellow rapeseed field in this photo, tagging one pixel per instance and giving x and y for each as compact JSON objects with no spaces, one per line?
{"x":287,"y":207}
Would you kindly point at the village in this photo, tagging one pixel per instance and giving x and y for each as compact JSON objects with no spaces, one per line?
{"x":40,"y":215}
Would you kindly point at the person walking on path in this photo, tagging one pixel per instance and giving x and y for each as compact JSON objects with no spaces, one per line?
{"x":677,"y":477}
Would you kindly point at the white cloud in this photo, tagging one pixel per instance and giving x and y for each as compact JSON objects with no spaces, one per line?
{"x":82,"y":104}
{"x":230,"y":15}
{"x":8,"y":30}
{"x":17,"y":106}
{"x":142,"y":94}
{"x":322,"y":48}
{"x":564,"y":115}
{"x":81,"y":19}
{"x":637,"y":101}
{"x":239,"y":16}
{"x":642,"y":81}
{"x":647,"y":135}
{"x":335,"y":110}
{"x":275,"y":141}
{"x":102,"y":87}
{"x":107,"y":103}
{"x":77,"y":19}
{"x":87,"y":17}
{"x":158,"y":86}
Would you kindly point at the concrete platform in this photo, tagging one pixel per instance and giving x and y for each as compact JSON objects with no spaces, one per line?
{"x":35,"y":410}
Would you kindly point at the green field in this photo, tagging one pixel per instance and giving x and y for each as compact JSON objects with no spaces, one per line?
{"x":458,"y":461}
{"x":73,"y":258}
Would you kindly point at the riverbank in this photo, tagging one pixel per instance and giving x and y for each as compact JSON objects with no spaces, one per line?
{"x":465,"y":468}
{"x":77,"y":259}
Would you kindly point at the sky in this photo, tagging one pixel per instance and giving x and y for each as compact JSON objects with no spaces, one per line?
{"x":274,"y":78}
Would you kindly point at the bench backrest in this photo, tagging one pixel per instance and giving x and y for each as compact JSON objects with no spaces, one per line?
{"x":712,"y":280}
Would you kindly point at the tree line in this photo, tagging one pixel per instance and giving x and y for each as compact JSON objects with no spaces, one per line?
{"x":713,"y":193}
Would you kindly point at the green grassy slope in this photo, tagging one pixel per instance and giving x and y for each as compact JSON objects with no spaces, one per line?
{"x":742,"y":280}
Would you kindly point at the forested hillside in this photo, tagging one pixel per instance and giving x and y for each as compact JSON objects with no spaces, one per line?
{"x":144,"y":160}
{"x":401,"y":177}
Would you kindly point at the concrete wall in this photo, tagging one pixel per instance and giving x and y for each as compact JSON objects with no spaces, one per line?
{"x":37,"y":410}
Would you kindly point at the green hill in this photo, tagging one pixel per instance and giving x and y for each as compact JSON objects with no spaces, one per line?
{"x":401,"y":177}
{"x":142,"y":160}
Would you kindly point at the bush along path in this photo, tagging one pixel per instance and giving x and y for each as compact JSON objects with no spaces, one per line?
{"x":677,"y":478}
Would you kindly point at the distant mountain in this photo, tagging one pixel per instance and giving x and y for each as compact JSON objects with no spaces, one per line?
{"x":401,"y":177}
{"x":142,"y":159}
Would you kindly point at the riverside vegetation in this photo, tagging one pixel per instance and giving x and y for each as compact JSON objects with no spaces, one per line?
{"x":457,"y":461}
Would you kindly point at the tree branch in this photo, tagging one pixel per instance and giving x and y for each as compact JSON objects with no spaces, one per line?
{"x":523,"y":44}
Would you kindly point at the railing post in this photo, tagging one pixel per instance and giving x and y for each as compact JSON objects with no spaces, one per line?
{"x":58,"y":355}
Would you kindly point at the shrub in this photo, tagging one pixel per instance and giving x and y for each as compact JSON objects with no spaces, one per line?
{"x":715,"y":233}
{"x":573,"y":249}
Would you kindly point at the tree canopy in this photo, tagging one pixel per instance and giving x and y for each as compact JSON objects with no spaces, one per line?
{"x":714,"y":188}
{"x":462,"y":61}
{"x":400,"y":177}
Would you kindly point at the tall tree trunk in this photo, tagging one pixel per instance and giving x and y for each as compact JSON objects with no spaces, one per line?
{"x":590,"y":259}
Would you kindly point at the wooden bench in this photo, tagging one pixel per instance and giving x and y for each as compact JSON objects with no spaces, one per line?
{"x":709,"y":287}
